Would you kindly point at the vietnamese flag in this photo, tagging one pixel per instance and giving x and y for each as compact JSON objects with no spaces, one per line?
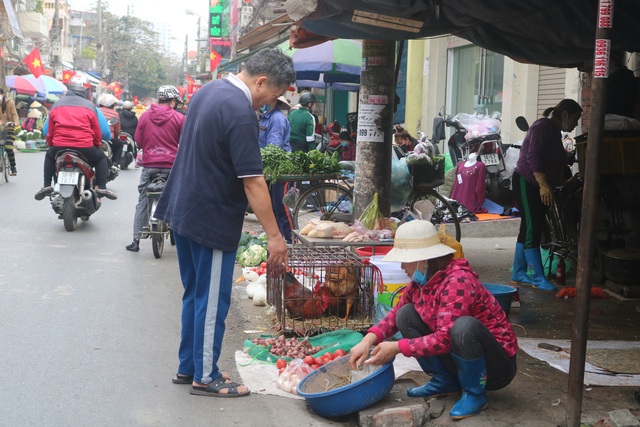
{"x":214,"y":59}
{"x":66,"y":76}
{"x":34,"y":63}
{"x":115,"y":87}
{"x":189,"y":79}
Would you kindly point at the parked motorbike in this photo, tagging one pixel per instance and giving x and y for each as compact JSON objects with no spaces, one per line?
{"x":129,"y":150}
{"x":489,"y":150}
{"x":73,"y":196}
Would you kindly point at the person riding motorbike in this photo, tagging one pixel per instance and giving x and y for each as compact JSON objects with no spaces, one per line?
{"x":158,"y":134}
{"x":128,"y":119}
{"x":107,"y":104}
{"x":75,"y":123}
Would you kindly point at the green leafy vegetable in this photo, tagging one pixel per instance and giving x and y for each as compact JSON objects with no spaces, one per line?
{"x":276,"y":162}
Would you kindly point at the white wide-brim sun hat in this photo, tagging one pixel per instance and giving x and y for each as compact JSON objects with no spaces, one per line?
{"x":417,"y":241}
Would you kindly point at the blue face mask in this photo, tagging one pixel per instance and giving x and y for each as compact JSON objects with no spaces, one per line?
{"x":344,"y":143}
{"x":419,"y":277}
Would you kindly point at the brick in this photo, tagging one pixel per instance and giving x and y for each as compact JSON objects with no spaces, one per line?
{"x":395,"y":417}
{"x":623,"y":418}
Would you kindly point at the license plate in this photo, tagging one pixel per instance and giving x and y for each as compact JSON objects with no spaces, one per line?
{"x":68,"y":178}
{"x":124,"y":148}
{"x":490,"y":159}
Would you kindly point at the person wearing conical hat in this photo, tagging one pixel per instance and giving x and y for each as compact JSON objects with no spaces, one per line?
{"x":449,"y":321}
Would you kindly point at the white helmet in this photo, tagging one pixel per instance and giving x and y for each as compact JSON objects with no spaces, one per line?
{"x":107,"y":100}
{"x":79,"y":84}
{"x":167,"y":93}
{"x":128,"y":105}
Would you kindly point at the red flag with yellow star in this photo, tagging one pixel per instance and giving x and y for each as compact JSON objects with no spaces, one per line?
{"x":66,"y":76}
{"x":116,"y":89}
{"x":214,"y":59}
{"x":34,"y":63}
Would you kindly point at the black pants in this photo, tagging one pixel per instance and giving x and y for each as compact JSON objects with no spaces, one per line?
{"x":470,"y":339}
{"x":299,"y":146}
{"x":532,"y":211}
{"x":276,"y":191}
{"x":116,"y":149}
{"x":94,"y":155}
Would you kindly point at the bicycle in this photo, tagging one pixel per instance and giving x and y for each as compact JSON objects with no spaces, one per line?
{"x":157,"y":230}
{"x":332,"y":200}
{"x":5,"y":166}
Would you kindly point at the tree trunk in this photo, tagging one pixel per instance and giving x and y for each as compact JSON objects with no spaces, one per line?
{"x":375,"y":123}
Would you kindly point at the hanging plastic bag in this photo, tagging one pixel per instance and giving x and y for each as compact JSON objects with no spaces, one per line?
{"x":139,"y":158}
{"x":291,"y":198}
{"x":371,"y":216}
{"x":400,"y":184}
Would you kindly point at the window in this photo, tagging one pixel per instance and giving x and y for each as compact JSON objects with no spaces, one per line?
{"x":476,"y":80}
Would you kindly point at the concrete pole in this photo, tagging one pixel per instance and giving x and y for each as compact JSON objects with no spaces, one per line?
{"x":375,"y":123}
{"x":56,"y":41}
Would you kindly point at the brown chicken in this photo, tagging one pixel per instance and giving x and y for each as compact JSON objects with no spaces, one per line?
{"x":300,"y":302}
{"x":343,"y":281}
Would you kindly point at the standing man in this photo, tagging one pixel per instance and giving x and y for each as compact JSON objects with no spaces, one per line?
{"x":158,"y":134}
{"x":217,"y":170}
{"x":303,"y":124}
{"x":274,"y":130}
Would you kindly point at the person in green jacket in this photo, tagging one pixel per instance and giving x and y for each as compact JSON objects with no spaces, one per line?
{"x":303,"y":124}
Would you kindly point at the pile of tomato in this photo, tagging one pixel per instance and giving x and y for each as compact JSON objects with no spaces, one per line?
{"x":313,"y":362}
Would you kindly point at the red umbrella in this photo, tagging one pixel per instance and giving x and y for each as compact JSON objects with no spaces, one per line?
{"x":21,"y":85}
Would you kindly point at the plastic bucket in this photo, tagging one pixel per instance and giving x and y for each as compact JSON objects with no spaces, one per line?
{"x":503,"y":294}
{"x":367,"y":251}
{"x":394,"y":279}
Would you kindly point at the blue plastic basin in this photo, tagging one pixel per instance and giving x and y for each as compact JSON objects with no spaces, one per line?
{"x":503,"y":293}
{"x":346,"y":399}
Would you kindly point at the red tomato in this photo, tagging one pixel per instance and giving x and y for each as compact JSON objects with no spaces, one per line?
{"x":280,"y":371}
{"x":315,"y":366}
{"x":339,"y":353}
{"x":328,"y":356}
{"x":309,"y":360}
{"x":319,"y":361}
{"x":281,"y":364}
{"x":263,"y":265}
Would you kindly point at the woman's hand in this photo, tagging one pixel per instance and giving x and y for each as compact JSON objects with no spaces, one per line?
{"x":383,"y":353}
{"x":360,"y":352}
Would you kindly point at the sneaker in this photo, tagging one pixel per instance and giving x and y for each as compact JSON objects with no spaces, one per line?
{"x":43,"y":192}
{"x":106,"y":193}
{"x":134,"y":246}
{"x":14,"y":171}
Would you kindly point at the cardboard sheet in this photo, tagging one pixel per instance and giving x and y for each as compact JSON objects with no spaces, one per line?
{"x":594,"y":375}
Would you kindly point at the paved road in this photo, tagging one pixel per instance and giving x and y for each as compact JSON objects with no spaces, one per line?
{"x":89,"y":331}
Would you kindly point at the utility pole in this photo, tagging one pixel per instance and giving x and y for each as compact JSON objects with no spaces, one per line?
{"x":375,"y":121}
{"x":99,"y":50}
{"x":56,"y":42}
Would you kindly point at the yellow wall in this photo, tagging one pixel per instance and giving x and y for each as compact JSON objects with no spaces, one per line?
{"x":415,"y":64}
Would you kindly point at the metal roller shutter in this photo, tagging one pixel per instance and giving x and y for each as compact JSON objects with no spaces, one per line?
{"x":551,"y":82}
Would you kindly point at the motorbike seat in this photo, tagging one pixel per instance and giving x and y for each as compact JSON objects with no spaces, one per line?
{"x":78,"y":154}
{"x":158,"y":181}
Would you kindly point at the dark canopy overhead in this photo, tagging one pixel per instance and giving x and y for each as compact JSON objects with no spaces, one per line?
{"x":559,"y":33}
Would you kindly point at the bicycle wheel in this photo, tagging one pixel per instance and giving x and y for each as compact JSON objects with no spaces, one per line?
{"x":444,"y":214}
{"x":157,"y":238}
{"x":329,"y":202}
{"x":4,"y":166}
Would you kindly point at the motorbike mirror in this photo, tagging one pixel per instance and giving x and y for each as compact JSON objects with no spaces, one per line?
{"x":522,"y":123}
{"x":112,"y":121}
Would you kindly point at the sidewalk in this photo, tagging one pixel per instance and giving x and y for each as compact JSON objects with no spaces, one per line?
{"x":538,"y":394}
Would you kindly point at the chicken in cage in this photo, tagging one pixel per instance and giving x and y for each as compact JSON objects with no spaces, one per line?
{"x":323,"y":289}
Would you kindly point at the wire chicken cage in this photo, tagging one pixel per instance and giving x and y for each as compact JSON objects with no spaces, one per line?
{"x":326,"y":289}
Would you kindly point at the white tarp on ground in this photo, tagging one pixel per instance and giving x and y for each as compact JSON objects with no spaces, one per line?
{"x":593,"y":375}
{"x":261,"y":377}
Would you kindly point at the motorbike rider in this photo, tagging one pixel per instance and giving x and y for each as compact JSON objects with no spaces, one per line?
{"x":303,"y":124}
{"x":75,"y":123}
{"x":9,"y":119}
{"x":107,"y":104}
{"x":128,"y":119}
{"x":158,"y":134}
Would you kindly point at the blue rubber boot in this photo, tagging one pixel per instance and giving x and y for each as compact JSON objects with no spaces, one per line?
{"x":520,"y":266}
{"x":534,"y":258}
{"x":473,"y":379}
{"x":442,"y":382}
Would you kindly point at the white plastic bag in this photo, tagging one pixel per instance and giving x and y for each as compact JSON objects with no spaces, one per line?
{"x":295,"y":371}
